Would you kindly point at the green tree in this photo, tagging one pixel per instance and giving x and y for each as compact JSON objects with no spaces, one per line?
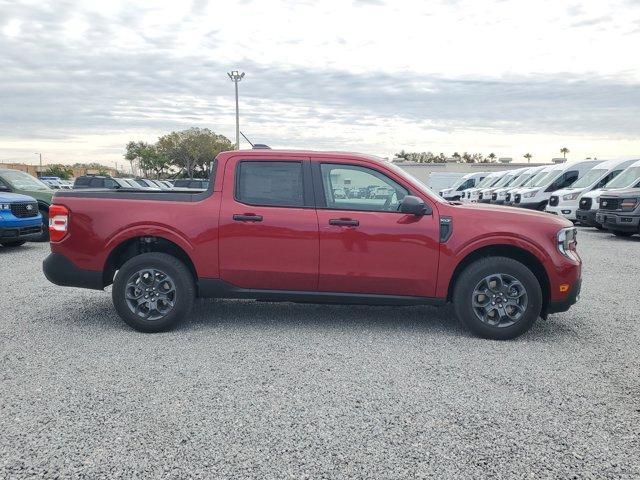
{"x":492,"y":157}
{"x":528,"y":156}
{"x":148,"y":157}
{"x":58,"y":171}
{"x":564,"y":151}
{"x":193,"y":150}
{"x":456,"y":155}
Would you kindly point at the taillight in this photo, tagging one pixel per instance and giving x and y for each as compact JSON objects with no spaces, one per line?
{"x":58,"y":222}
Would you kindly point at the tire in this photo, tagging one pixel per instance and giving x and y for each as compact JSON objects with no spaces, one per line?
{"x":14,"y":243}
{"x":473,"y":277}
{"x":619,"y":233}
{"x":44,"y":236}
{"x":134,"y":276}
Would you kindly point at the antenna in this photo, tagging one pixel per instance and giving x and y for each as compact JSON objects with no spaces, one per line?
{"x":245,"y":137}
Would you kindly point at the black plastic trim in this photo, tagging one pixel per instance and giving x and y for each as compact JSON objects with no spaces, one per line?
{"x":446,"y":228}
{"x":558,"y":306}
{"x":213,"y":287}
{"x":60,"y":270}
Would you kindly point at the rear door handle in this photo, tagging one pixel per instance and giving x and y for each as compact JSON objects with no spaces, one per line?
{"x":247,"y":218}
{"x":344,"y":222}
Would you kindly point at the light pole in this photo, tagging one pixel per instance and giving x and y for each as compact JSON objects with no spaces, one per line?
{"x":235,"y":77}
{"x":40,"y":155}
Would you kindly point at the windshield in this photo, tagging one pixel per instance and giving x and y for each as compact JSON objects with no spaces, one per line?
{"x":23,"y":181}
{"x":591,"y":177}
{"x":521,"y":180}
{"x":487,"y":182}
{"x":545,"y":179}
{"x":625,"y":179}
{"x":504,"y":181}
{"x":458,"y":182}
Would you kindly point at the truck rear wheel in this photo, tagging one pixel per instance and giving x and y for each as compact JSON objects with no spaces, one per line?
{"x":152,"y":292}
{"x":621,"y":233}
{"x":498,"y":298}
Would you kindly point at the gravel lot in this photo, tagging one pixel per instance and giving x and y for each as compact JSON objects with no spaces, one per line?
{"x":269,"y":390}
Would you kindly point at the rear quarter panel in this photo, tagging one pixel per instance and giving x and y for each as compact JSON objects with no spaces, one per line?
{"x":98,"y":225}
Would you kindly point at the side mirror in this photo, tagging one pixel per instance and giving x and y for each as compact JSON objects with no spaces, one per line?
{"x":414,"y":206}
{"x":4,"y":188}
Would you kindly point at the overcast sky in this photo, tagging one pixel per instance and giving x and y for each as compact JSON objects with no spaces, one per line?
{"x":80,"y":79}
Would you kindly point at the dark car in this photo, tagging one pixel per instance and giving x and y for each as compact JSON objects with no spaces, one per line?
{"x":619,"y":212}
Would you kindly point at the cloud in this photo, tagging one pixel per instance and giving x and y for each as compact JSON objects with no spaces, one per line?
{"x":104,"y":70}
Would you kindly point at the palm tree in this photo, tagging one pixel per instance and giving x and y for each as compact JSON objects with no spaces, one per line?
{"x":528,"y":156}
{"x":456,"y":155}
{"x":564,"y":151}
{"x":492,"y":156}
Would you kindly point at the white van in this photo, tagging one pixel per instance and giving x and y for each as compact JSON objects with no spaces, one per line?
{"x":589,"y":202}
{"x":510,"y":197}
{"x":485,"y":194}
{"x":467,"y":181}
{"x":559,"y":176}
{"x":499,"y":195}
{"x":565,"y":202}
{"x":470,"y":195}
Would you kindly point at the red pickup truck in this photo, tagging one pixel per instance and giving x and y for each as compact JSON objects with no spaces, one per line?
{"x":307,"y":226}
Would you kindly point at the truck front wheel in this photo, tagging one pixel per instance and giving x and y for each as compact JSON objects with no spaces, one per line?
{"x":152,"y":292}
{"x":498,"y":298}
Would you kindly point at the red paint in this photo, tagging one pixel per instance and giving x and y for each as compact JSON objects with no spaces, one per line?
{"x":297,"y":249}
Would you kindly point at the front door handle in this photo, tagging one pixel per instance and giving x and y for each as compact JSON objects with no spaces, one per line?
{"x":344,"y":222}
{"x":247,"y":218}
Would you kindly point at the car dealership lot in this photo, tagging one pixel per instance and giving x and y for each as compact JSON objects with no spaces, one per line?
{"x":246,"y":389}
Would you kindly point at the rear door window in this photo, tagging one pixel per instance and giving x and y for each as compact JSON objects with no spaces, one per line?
{"x":270,"y":183}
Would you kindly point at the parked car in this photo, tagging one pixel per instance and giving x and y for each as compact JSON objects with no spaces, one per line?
{"x":273,"y":231}
{"x":590,"y":201}
{"x":15,"y":181}
{"x":471,"y":195}
{"x":102,"y":181}
{"x":485,"y":195}
{"x":500,"y":195}
{"x":565,"y":202}
{"x":558,"y":177}
{"x":198,"y":183}
{"x":619,"y":212}
{"x":511,"y":194}
{"x":20,"y":219}
{"x":441,"y":180}
{"x":463,"y":183}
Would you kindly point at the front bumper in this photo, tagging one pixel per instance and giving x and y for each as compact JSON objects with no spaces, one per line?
{"x":618,"y":221}
{"x":563,"y":211}
{"x":12,"y":234}
{"x":60,"y":270}
{"x":557,"y":306}
{"x":531,"y":206}
{"x":587,"y":217}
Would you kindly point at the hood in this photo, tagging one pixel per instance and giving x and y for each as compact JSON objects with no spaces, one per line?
{"x":516,"y":213}
{"x":623,"y":192}
{"x":15,"y":197}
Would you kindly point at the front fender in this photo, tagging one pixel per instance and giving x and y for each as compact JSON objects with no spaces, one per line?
{"x":452,"y":256}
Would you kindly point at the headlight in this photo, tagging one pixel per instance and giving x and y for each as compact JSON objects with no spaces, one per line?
{"x":570,"y":196}
{"x":628,"y":204}
{"x":5,"y":206}
{"x":567,"y":242}
{"x":530,"y":194}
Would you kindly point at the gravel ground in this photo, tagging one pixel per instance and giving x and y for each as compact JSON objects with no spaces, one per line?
{"x":267,"y":390}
